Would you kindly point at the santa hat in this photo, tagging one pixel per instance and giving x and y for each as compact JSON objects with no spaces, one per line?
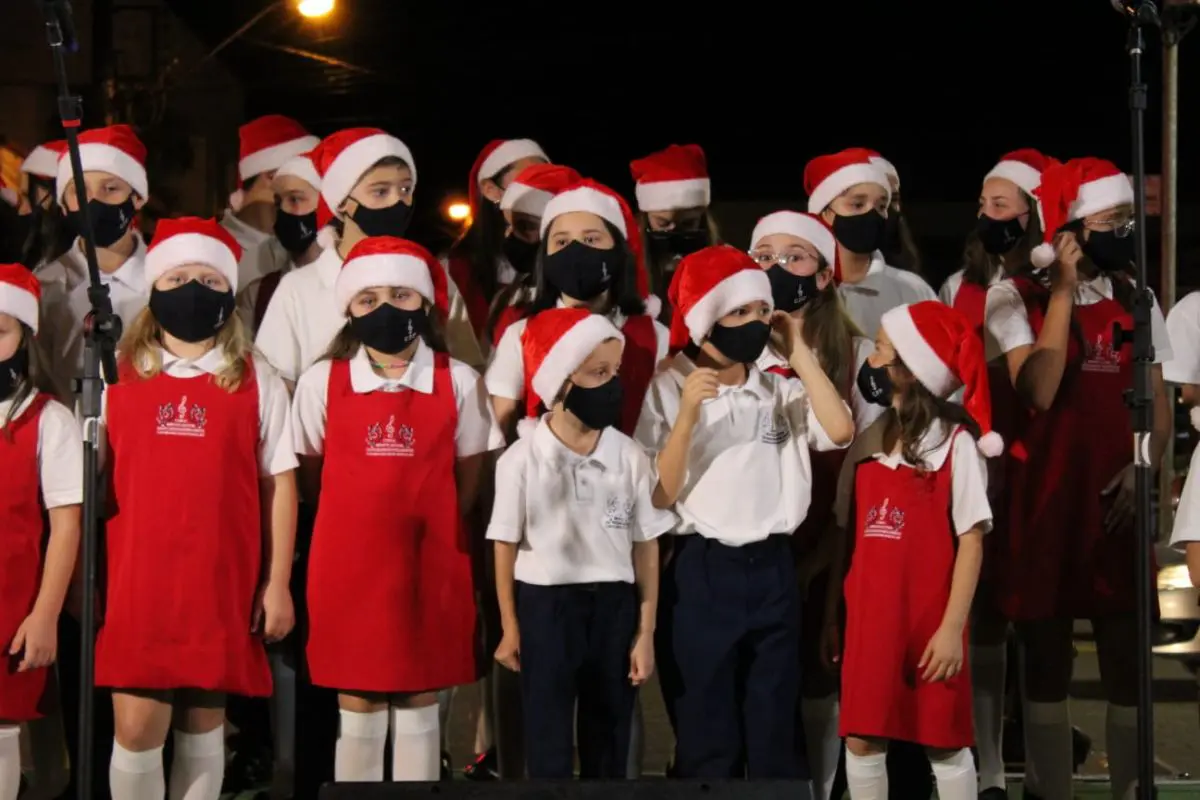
{"x":595,"y":198}
{"x":1072,"y":191}
{"x":494,"y":157}
{"x":826,"y":177}
{"x":808,"y":227}
{"x":889,"y":169}
{"x":676,"y":177}
{"x":1023,"y":167}
{"x":115,"y":150}
{"x":391,"y":261}
{"x":942,"y":350}
{"x":191,"y":240}
{"x":43,"y":161}
{"x":268,"y":142}
{"x":343,"y":158}
{"x":301,"y":167}
{"x":708,"y":284}
{"x":535,"y":186}
{"x":20,"y":293}
{"x":557,"y":341}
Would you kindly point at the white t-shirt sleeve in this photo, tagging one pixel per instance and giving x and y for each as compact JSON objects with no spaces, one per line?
{"x":802,"y":416}
{"x":662,"y":342}
{"x":1164,"y":350}
{"x":865,"y":412}
{"x":1183,"y":329}
{"x":969,"y":507}
{"x":278,"y":338}
{"x":310,"y":404}
{"x":505,"y":376}
{"x":477,"y":431}
{"x":60,"y":456}
{"x":508,"y":509}
{"x":651,"y":522}
{"x":950,"y":288}
{"x":1187,"y":515}
{"x":1006,"y":318}
{"x":653,"y":426}
{"x":275,"y":436}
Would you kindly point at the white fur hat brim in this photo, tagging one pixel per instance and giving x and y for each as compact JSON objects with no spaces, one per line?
{"x":571,"y":350}
{"x":191,"y":248}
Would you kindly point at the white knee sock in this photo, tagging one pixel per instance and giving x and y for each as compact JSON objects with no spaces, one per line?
{"x":360,"y":746}
{"x":136,"y":776}
{"x":10,"y":762}
{"x":445,"y":706}
{"x":1120,"y":729}
{"x":199,"y":765}
{"x":955,"y":776}
{"x":416,"y":745}
{"x":1048,"y":734}
{"x":987,"y":681}
{"x":820,"y":718}
{"x":866,"y":776}
{"x":283,"y":725}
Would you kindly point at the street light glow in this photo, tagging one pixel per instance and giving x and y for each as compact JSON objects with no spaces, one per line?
{"x":314,"y":9}
{"x":459,"y":212}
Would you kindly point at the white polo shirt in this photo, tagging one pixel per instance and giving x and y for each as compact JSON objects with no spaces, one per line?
{"x":749,"y":473}
{"x":864,"y":412}
{"x":476,"y":431}
{"x":575,"y":518}
{"x":1008,"y":320}
{"x":1183,"y":329}
{"x":59,"y":451}
{"x":949,"y":291}
{"x":1187,"y":516}
{"x":883,"y":288}
{"x":505,"y":376}
{"x":969,"y":507}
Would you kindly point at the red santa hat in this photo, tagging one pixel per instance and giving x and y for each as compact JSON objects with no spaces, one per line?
{"x":301,"y":167}
{"x":495,"y":157}
{"x":803,"y":225}
{"x":268,"y":142}
{"x":888,"y":167}
{"x":557,"y":341}
{"x":708,"y":284}
{"x":43,"y":161}
{"x":595,"y":198}
{"x":344,"y":157}
{"x":1023,"y":167}
{"x":1074,"y":190}
{"x":20,"y":293}
{"x":115,"y":150}
{"x":191,"y":240}
{"x":391,"y":261}
{"x":941,"y":348}
{"x":676,"y":177}
{"x":535,"y":186}
{"x":826,"y":177}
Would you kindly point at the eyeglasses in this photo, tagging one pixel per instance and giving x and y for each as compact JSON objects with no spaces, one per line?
{"x":1121,"y":227}
{"x":785,"y":260}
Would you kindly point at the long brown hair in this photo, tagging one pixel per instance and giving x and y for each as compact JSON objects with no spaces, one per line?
{"x":37,"y":377}
{"x":345,"y":344}
{"x":141,"y":346}
{"x":919,"y":409}
{"x":979,"y":265}
{"x":830,"y":332}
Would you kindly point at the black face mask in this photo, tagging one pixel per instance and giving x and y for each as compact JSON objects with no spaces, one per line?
{"x":12,"y":372}
{"x":192,"y":312}
{"x":296,"y":232}
{"x":875,"y":385}
{"x":390,"y":221}
{"x":666,"y":245}
{"x":109,"y":222}
{"x":791,"y":292}
{"x":582,"y":272}
{"x":1108,"y":251}
{"x":598,"y":407}
{"x":862,"y":233}
{"x":388,"y":329}
{"x":520,"y":254}
{"x":741,"y":344}
{"x":998,"y":236}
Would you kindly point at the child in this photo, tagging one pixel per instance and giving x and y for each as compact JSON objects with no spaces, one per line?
{"x":41,"y":449}
{"x":396,"y":433}
{"x":915,"y":477}
{"x":49,"y":236}
{"x":204,"y":499}
{"x":576,"y":560}
{"x":732,"y":448}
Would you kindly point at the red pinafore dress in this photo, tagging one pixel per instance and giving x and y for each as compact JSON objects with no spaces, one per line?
{"x":896,"y":594}
{"x":21,"y":531}
{"x":1059,"y":562}
{"x":185,"y":541}
{"x":391,"y":593}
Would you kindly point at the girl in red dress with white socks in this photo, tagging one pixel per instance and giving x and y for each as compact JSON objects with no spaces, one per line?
{"x":41,"y":449}
{"x":204,"y":514}
{"x":914,"y":492}
{"x":388,"y":421}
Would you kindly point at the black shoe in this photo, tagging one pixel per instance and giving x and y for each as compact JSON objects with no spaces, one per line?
{"x":485,"y":768}
{"x":994,"y":793}
{"x":447,"y":773}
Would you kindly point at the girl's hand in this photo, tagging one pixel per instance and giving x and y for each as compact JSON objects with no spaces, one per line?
{"x":943,"y":657}
{"x":786,"y":333}
{"x":1120,"y":488}
{"x":641,"y":659}
{"x":1063,"y":272}
{"x":831,"y":648}
{"x":508,"y":654}
{"x":274,"y":614}
{"x":700,"y":385}
{"x":38,"y":637}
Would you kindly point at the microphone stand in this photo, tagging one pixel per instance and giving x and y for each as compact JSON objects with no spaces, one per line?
{"x":102,"y":330}
{"x":1141,"y":404}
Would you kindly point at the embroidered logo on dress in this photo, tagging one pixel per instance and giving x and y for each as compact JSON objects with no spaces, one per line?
{"x":1101,"y":356}
{"x":390,"y":440}
{"x":773,"y":428}
{"x":618,"y":513}
{"x":884,"y":521}
{"x":180,"y":419}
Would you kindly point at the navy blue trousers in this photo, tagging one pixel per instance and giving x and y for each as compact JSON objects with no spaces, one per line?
{"x":575,"y":644}
{"x":733,"y":623}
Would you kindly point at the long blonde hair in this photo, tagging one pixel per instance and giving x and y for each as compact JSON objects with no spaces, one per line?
{"x":143,"y":339}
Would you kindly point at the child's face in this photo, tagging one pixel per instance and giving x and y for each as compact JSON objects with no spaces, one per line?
{"x":578,"y":226}
{"x":102,"y":186}
{"x":885,"y":356}
{"x":756,"y":311}
{"x":373,"y":297}
{"x":201,"y":273}
{"x":382,"y":187}
{"x":10,"y":336}
{"x":294,"y":196}
{"x":600,"y":366}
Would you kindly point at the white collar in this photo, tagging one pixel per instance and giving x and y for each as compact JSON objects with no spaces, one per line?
{"x":247,"y":235}
{"x":878,"y":264}
{"x":769,"y":359}
{"x":418,"y":376}
{"x":327,"y":266}
{"x":606,"y":455}
{"x":6,"y":406}
{"x":131,"y":273}
{"x":934,"y":448}
{"x":614,"y":316}
{"x":210,"y":363}
{"x":757,"y":382}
